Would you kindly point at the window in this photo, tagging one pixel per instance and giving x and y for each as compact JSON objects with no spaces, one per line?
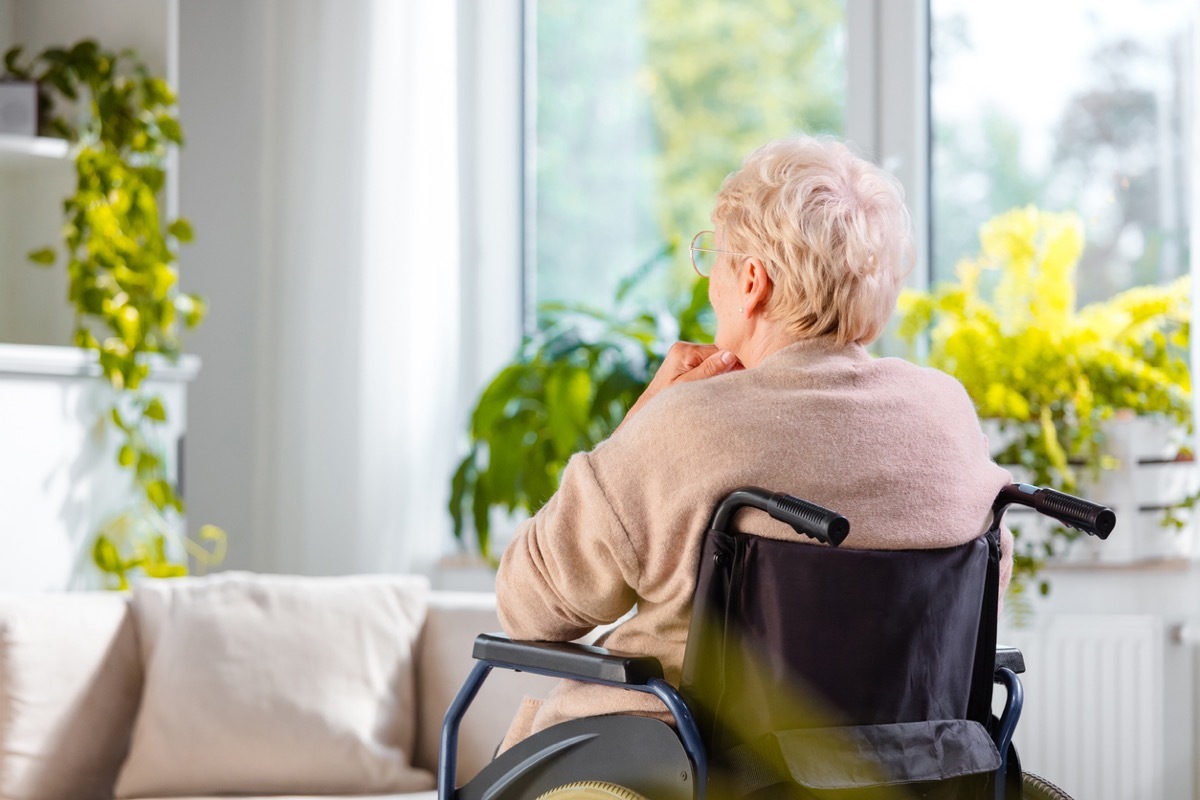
{"x":637,"y":111}
{"x":1077,"y":105}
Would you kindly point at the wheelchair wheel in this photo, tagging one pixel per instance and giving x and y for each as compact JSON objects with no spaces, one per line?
{"x":1035,"y":788}
{"x":591,"y":790}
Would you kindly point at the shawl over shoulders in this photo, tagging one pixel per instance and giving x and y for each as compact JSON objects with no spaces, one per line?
{"x":895,"y":447}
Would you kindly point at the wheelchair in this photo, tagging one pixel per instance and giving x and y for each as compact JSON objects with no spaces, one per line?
{"x":807,"y":674}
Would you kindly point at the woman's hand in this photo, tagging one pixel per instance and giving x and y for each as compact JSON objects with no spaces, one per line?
{"x":686,"y":362}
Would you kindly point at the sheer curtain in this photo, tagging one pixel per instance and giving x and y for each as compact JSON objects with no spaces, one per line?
{"x":359,"y":393}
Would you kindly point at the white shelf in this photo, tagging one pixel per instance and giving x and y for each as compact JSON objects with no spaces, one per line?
{"x":22,"y":151}
{"x":31,"y":359}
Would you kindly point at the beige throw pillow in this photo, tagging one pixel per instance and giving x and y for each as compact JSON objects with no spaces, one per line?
{"x":261,"y":684}
{"x":70,"y":677}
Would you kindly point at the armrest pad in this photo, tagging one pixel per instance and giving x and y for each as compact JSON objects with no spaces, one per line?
{"x":1010,"y":657}
{"x":567,"y":660}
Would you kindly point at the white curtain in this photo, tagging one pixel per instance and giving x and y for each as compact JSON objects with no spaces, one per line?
{"x":362,"y":319}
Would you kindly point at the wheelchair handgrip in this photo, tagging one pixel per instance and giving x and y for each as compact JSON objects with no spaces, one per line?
{"x":816,"y":521}
{"x":805,"y":518}
{"x":1074,"y":511}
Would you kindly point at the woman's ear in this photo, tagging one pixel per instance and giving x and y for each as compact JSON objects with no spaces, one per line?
{"x":755,"y":286}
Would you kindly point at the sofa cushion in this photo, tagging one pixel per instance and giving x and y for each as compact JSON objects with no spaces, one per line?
{"x":70,"y":676}
{"x":274,"y":684}
{"x":443,"y":663}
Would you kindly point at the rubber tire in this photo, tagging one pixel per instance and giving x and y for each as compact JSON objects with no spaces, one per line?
{"x":591,"y":790}
{"x":1035,"y":788}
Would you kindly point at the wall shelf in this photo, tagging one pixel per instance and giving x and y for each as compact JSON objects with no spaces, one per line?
{"x":73,"y":362}
{"x":28,"y":151}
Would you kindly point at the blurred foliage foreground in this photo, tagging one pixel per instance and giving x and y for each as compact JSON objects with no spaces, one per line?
{"x":1050,"y":375}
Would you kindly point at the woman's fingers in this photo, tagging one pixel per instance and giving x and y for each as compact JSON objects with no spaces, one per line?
{"x":684,"y":357}
{"x":685,"y":362}
{"x":715,"y":364}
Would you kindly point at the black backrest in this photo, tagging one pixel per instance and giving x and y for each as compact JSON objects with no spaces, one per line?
{"x":789,"y":635}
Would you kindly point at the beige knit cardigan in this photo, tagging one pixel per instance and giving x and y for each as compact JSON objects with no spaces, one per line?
{"x":895,"y":447}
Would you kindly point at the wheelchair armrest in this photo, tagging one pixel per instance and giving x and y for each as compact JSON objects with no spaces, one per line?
{"x":1011,"y":658}
{"x":567,"y":660}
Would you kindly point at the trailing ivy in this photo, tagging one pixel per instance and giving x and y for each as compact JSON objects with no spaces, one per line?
{"x":120,"y":257}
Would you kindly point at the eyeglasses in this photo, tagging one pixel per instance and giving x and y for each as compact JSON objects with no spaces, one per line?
{"x":704,"y":253}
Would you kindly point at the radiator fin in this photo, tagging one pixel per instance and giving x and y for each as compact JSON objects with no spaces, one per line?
{"x":1093,"y":704}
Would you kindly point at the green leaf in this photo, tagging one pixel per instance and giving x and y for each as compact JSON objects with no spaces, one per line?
{"x":458,"y":489}
{"x":148,"y":466}
{"x":155,"y":410}
{"x":10,"y":61}
{"x":44,"y":257}
{"x":63,"y":84}
{"x":84,"y":338}
{"x":568,"y":401}
{"x":493,"y":403}
{"x":479,"y":513}
{"x":56,"y":55}
{"x":170,"y":129}
{"x":197,"y":310}
{"x":181,"y":229}
{"x":60,"y":128}
{"x":164,"y":569}
{"x":107,"y":558}
{"x":125,"y":456}
{"x":155,"y":179}
{"x":83,"y":56}
{"x":158,"y":564}
{"x":159,"y":494}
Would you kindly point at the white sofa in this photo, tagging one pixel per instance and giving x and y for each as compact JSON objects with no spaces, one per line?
{"x":243,"y":684}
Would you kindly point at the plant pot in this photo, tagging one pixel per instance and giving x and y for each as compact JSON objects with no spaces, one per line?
{"x":1150,"y":477}
{"x":464,"y":572}
{"x":18,"y":108}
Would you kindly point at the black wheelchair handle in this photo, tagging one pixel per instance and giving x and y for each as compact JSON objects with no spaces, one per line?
{"x":1076,"y":512}
{"x":808,"y":519}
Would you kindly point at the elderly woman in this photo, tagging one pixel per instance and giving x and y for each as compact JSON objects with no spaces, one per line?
{"x":811,"y":246}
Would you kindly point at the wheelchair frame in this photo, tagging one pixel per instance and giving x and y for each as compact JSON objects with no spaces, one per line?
{"x":566,"y":660}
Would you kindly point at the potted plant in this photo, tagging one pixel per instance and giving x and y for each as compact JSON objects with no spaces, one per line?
{"x":1052,"y":378}
{"x":123,"y":281}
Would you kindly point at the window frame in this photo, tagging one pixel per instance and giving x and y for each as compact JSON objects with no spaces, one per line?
{"x":887,"y":118}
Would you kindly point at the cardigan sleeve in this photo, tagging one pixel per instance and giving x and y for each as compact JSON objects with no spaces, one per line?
{"x":570,"y":567}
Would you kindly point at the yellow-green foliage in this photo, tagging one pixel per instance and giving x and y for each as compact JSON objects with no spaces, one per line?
{"x":121,"y":265}
{"x":1010,"y":332}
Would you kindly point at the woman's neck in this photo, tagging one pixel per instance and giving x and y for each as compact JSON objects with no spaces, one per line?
{"x":766,"y":339}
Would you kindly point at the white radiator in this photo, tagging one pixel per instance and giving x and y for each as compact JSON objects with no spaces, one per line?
{"x":1093,"y":718}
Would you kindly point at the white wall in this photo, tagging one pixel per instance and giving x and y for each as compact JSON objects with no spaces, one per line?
{"x":222,"y":99}
{"x":6,"y":24}
{"x":140,"y":24}
{"x":33,"y":300}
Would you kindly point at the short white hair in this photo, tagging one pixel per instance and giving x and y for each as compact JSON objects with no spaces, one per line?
{"x":832,"y":230}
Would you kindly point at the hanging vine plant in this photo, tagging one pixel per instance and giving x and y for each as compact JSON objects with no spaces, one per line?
{"x":123,"y":281}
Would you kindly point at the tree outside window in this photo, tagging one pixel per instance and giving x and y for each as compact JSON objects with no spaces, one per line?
{"x":641,"y":109}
